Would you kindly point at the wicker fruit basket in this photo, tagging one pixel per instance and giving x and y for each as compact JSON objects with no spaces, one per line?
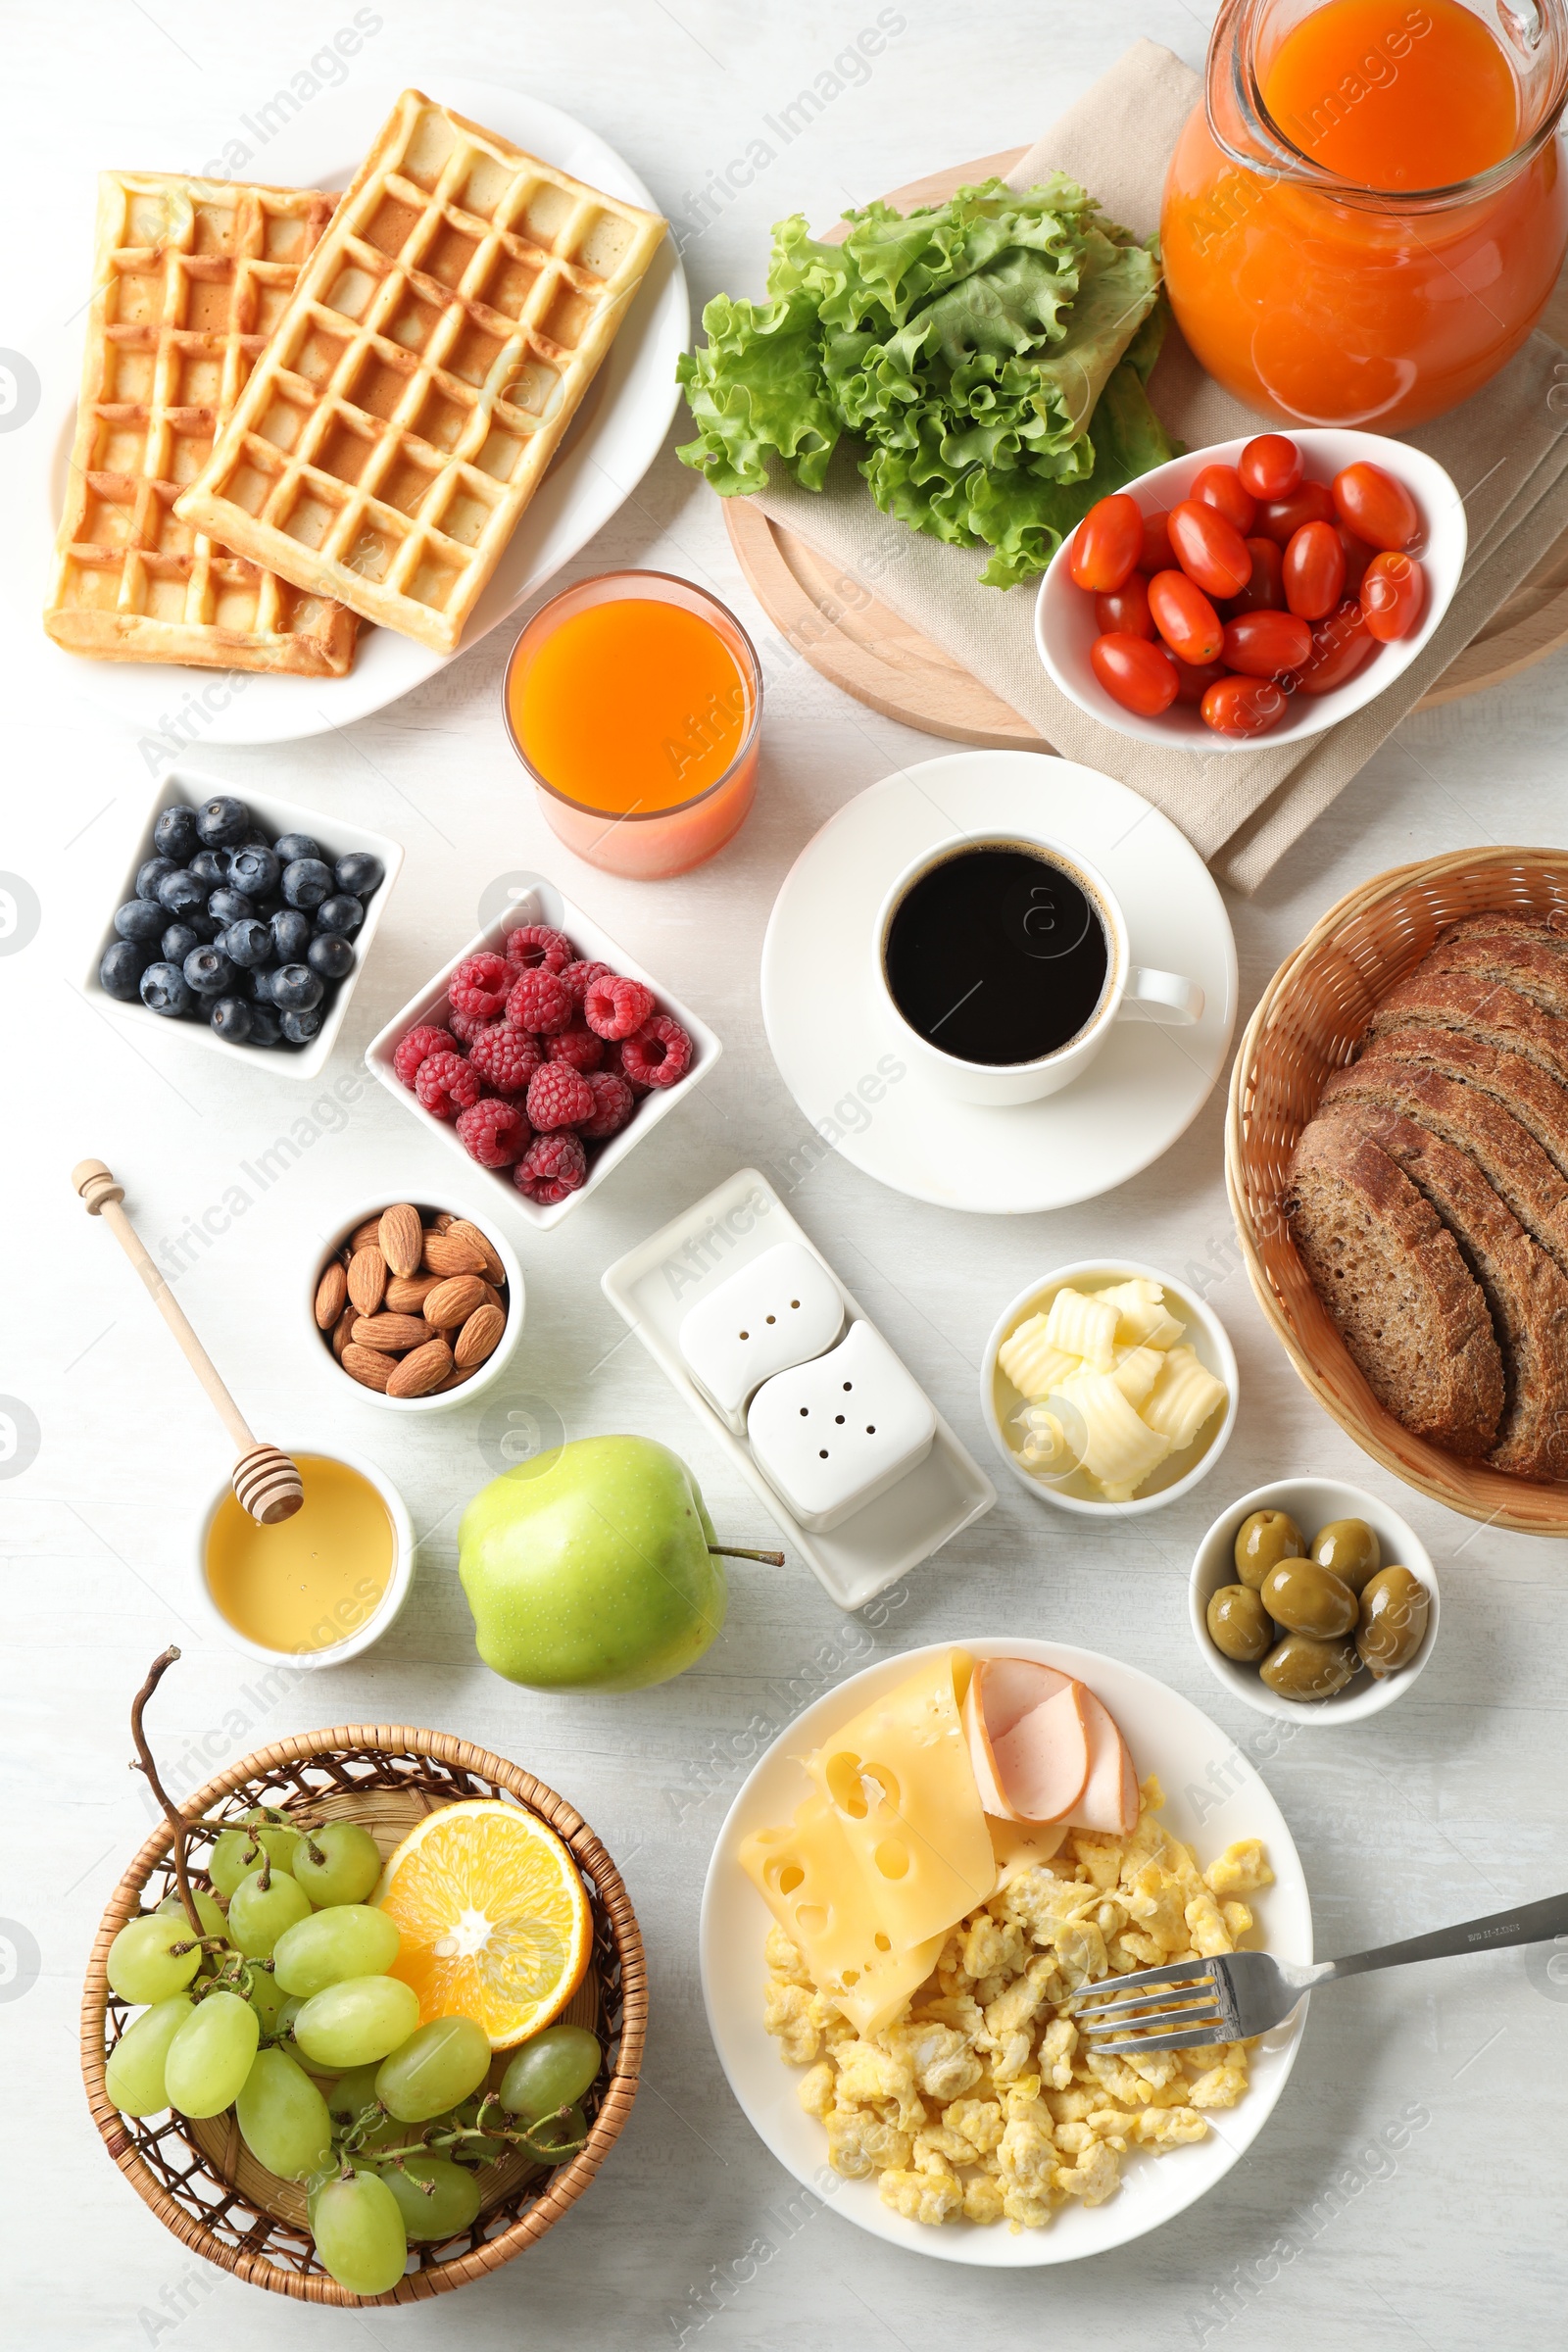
{"x":1312,"y":1016}
{"x":199,"y":2177}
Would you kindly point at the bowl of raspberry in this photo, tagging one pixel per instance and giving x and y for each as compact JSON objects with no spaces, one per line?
{"x":543,"y":1052}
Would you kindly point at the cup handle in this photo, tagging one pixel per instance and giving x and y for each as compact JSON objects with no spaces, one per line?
{"x":1164,"y":997}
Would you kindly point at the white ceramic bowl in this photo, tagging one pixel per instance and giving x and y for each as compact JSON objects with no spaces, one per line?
{"x":275,"y":816}
{"x":538,"y":901}
{"x":999,"y":1401}
{"x":343,"y":1383}
{"x":1311,"y":1502}
{"x":1064,"y":614}
{"x":392,"y":1599}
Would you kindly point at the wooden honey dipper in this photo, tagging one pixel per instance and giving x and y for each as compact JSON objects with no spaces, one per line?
{"x":266,"y":1482}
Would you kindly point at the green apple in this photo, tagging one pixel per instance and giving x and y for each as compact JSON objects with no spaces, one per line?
{"x":593,"y":1568}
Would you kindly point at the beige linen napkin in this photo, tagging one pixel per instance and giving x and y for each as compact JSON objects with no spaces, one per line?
{"x":1504,"y":449}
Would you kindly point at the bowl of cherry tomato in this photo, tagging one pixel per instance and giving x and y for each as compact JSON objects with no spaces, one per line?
{"x":1257,"y":591}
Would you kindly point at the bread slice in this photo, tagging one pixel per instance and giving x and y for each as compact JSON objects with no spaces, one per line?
{"x":1479,"y":1008}
{"x":1409,"y":1311}
{"x":1534,"y":965}
{"x":1524,"y":1287}
{"x":1539,"y":1103}
{"x":1509,"y":922}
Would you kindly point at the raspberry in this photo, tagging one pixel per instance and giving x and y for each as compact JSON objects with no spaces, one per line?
{"x":539,"y":1004}
{"x":614,"y":1104}
{"x":552,"y":1166}
{"x":465,"y":1026}
{"x":559,"y":1096}
{"x":478,"y":987}
{"x":577,"y":978}
{"x":505,"y":1057}
{"x":659,"y":1055}
{"x":413,"y":1048}
{"x":447,"y":1084}
{"x":578,"y":1046}
{"x":615,"y":1007}
{"x":535,"y":944}
{"x":494,"y":1132}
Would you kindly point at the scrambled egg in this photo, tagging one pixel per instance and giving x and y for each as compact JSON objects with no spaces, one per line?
{"x":977,"y":2102}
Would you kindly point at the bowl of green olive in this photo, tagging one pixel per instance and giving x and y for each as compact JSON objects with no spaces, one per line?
{"x":1311,"y":1599}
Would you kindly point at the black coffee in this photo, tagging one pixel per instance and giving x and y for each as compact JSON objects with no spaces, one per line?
{"x":997,"y":955}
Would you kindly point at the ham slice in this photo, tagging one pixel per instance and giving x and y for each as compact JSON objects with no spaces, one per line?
{"x":1043,"y":1762}
{"x":1109,"y":1797}
{"x":1046,"y":1750}
{"x":1002,"y":1692}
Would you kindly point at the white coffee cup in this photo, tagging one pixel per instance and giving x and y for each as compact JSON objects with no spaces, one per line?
{"x":1131,"y":992}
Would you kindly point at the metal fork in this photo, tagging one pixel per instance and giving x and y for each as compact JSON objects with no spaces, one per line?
{"x":1232,"y":1997}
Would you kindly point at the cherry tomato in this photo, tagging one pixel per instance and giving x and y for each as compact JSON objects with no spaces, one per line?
{"x":1194,"y":679}
{"x":1394,"y":595}
{"x":1266,"y":587}
{"x":1185,"y":618}
{"x":1261,"y":645}
{"x":1341,"y":645}
{"x":1134,"y":674}
{"x":1106,"y":544}
{"x":1244,"y":705}
{"x":1210,"y":549}
{"x":1124,"y":610}
{"x":1357,"y":555}
{"x":1375,"y":506}
{"x":1222,"y":487}
{"x":1313,"y":571}
{"x":1156,"y":553}
{"x":1280,"y":518}
{"x":1270,"y":467}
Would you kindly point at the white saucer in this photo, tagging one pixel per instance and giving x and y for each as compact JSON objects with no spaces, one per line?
{"x":835,"y":1044}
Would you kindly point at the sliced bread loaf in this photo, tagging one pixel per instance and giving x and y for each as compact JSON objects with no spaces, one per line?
{"x":1539,"y":1102}
{"x":1534,"y":964}
{"x":1479,"y":1008}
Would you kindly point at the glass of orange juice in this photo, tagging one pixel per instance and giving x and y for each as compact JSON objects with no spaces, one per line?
{"x":634,"y":701}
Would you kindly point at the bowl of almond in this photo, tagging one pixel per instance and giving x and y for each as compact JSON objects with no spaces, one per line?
{"x":420,"y":1307}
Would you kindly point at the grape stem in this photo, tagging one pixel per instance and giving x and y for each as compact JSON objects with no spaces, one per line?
{"x":144,"y":1764}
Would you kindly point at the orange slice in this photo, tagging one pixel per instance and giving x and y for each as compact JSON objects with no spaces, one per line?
{"x":493,"y":1919}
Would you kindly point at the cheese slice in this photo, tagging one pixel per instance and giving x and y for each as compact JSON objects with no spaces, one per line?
{"x":810,"y":1880}
{"x":1022,"y":1845}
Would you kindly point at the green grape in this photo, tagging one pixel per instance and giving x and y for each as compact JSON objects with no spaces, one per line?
{"x":232,"y":1858}
{"x":349,"y":1940}
{"x":257,"y":1915}
{"x":135,"y":2080}
{"x":350,"y":2094}
{"x":451,"y":2204}
{"x":207,"y":1910}
{"x":292,"y":2004}
{"x":211,"y":2055}
{"x":360,"y":2234}
{"x":349,"y":1868}
{"x":266,"y":1999}
{"x":550,"y":2071}
{"x":349,"y":2024}
{"x":434,"y":2069}
{"x":146,"y":1962}
{"x":282,"y":2116}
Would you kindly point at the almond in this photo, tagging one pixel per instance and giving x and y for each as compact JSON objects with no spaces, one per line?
{"x":468,"y":1231}
{"x":393,"y":1335}
{"x":441,"y":1220}
{"x":492,"y":1297}
{"x":455,"y":1380}
{"x":452,"y":1253}
{"x":406,"y":1293}
{"x":330,"y":1292}
{"x":343,"y":1332}
{"x":366,"y":1235}
{"x":454,"y":1300}
{"x":402,"y":1237}
{"x":426,"y":1369}
{"x":480,"y":1336}
{"x":368,"y":1366}
{"x":367,"y":1279}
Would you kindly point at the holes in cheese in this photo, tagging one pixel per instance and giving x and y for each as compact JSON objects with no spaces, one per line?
{"x":1182,"y":1398}
{"x":1032,"y":1365}
{"x":827,"y":1905}
{"x":1083,"y":1325}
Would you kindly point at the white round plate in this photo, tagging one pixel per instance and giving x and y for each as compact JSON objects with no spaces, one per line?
{"x":1213,"y":1796}
{"x":608,"y":448}
{"x":836,"y":1046}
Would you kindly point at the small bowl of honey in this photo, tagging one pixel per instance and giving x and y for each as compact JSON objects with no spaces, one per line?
{"x":318,"y":1588}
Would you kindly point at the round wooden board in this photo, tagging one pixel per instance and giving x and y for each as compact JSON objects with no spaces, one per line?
{"x":886,"y":662}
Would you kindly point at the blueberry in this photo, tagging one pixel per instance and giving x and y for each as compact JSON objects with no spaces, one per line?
{"x":254,"y":869}
{"x":211,"y":866}
{"x":266,"y":1027}
{"x":339,"y":913}
{"x":359,"y":873}
{"x":209,"y":971}
{"x":178,"y":940}
{"x":164,"y":987}
{"x":183,"y":891}
{"x":256,"y":982}
{"x":305,"y":881}
{"x":300,"y":1027}
{"x":291,"y":934}
{"x":296,"y":988}
{"x":331,"y":955}
{"x":228,"y":905}
{"x":174,"y":835}
{"x":230,"y":1016}
{"x":222,"y":820}
{"x":150,"y":873}
{"x":120,"y":973}
{"x":290,"y":846}
{"x":247,"y":943}
{"x":140,"y":918}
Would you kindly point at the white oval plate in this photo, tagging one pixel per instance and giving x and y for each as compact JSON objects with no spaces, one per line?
{"x":609,"y":447}
{"x":1213,"y":1796}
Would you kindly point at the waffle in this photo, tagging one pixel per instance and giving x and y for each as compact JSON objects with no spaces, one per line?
{"x":415,"y":388}
{"x":189,"y":277}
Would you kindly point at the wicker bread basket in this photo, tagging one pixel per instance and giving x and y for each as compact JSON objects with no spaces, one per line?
{"x":1310,"y":1020}
{"x":199,"y":2177}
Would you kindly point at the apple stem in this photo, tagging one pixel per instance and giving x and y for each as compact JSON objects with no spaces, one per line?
{"x":737,"y":1551}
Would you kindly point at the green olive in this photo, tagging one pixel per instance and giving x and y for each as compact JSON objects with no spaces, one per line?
{"x":1394,"y":1620}
{"x":1308,"y":1599}
{"x":1350,"y":1548}
{"x":1237,"y":1624}
{"x":1262,"y":1539}
{"x":1303,"y":1667}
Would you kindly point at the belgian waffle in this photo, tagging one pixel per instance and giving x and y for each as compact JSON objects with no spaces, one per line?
{"x":189,"y":277}
{"x":429,"y":363}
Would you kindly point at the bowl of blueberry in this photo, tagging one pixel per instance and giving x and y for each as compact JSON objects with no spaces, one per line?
{"x":244,"y":923}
